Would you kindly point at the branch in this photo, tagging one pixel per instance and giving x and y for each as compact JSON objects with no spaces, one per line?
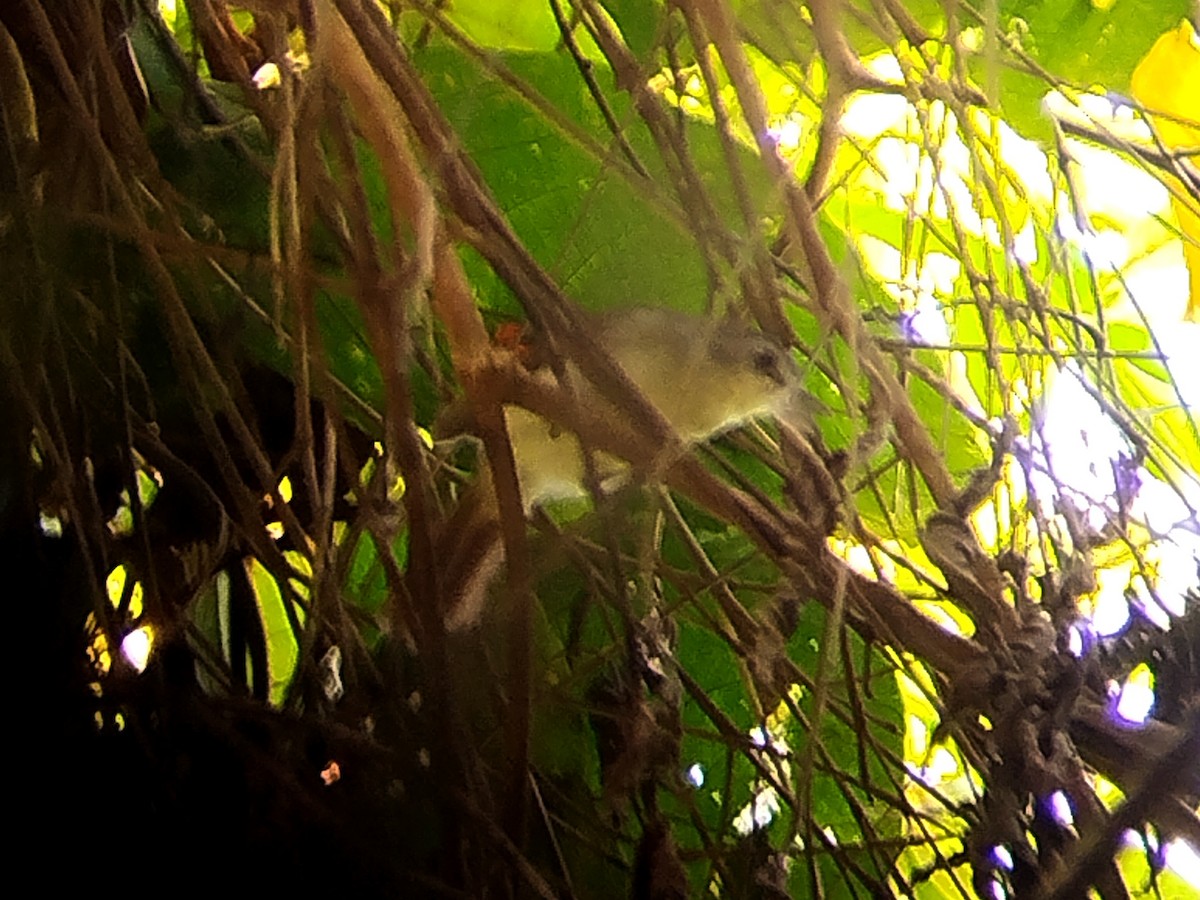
{"x":1142,"y":794}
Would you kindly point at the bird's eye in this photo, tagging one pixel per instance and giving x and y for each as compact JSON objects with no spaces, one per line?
{"x":766,"y":362}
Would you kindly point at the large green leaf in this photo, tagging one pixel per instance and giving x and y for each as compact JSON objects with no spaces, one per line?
{"x":609,"y":237}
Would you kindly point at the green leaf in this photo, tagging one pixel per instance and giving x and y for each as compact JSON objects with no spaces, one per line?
{"x":639,"y":21}
{"x":511,"y":25}
{"x":608,"y":236}
{"x":282,"y":649}
{"x":1082,"y":42}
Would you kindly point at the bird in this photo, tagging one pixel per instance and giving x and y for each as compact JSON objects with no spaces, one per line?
{"x":706,"y":375}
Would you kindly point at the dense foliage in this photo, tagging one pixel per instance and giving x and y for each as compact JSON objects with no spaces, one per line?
{"x":253,"y":261}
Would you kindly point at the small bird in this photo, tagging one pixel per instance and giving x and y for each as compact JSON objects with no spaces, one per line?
{"x":705,"y":375}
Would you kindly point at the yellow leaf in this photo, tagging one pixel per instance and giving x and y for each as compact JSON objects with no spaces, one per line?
{"x":1167,"y":83}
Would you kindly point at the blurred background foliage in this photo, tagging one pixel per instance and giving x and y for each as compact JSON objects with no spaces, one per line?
{"x":907,"y":664}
